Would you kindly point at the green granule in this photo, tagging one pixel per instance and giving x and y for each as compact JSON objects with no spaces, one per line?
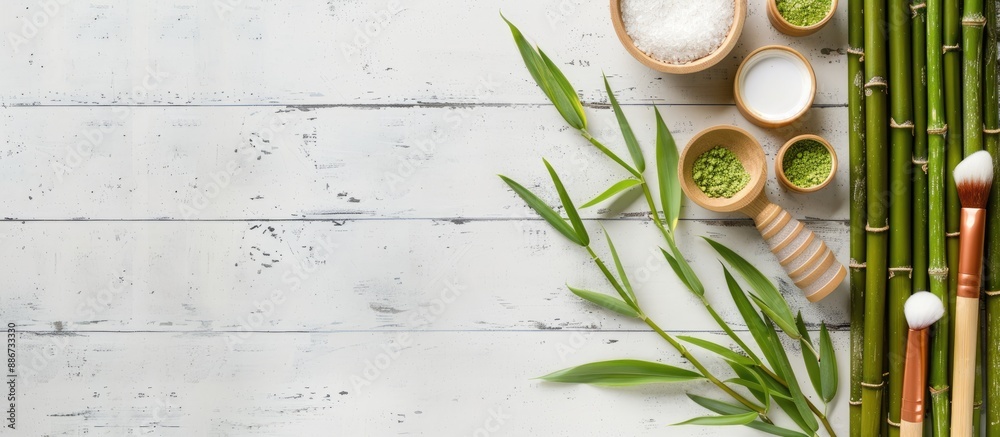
{"x":719,"y":173}
{"x":804,"y":12}
{"x":807,"y":163}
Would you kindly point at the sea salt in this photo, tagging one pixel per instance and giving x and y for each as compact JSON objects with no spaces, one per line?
{"x":678,"y":31}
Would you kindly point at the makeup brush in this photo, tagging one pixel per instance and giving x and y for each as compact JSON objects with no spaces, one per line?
{"x":922,"y":309}
{"x":973,"y":177}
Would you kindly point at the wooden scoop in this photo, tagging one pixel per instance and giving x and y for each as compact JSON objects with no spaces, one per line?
{"x":806,"y":259}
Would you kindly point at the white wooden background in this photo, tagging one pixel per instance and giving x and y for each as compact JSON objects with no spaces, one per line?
{"x":281,"y":218}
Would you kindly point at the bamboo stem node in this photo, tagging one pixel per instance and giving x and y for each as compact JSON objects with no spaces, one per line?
{"x":869,"y":228}
{"x":954,"y":48}
{"x":953,"y":234}
{"x":857,"y":266}
{"x":856,"y":51}
{"x":908,"y":124}
{"x":991,"y":131}
{"x":938,"y":273}
{"x":939,"y":391}
{"x":915,"y":8}
{"x":907,"y":269}
{"x":937,"y":130}
{"x":891,"y":423}
{"x":854,"y":403}
{"x":992,"y":292}
{"x":873,"y":386}
{"x":875,"y":82}
{"x":975,"y":21}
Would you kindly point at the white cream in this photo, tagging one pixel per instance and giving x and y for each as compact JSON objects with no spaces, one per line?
{"x":776,"y":85}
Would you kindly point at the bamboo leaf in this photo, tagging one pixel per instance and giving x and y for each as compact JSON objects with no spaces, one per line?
{"x":621,"y":269}
{"x":608,"y":302}
{"x":778,"y":319}
{"x":544,"y":210}
{"x":684,"y":272}
{"x":566,"y":100}
{"x":798,"y":398}
{"x":827,"y":365}
{"x":630,"y":140}
{"x":531,"y":58}
{"x":808,"y":357}
{"x":607,"y":152}
{"x":718,"y":349}
{"x":775,"y":430}
{"x":666,"y":170}
{"x":753,"y":321}
{"x":621,"y":373}
{"x":728,"y":420}
{"x":618,"y":187}
{"x":571,"y":212}
{"x":746,"y":374}
{"x":776,"y":307}
{"x":720,"y":407}
{"x":549,"y":79}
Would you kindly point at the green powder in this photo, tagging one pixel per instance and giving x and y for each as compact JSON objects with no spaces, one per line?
{"x":807,"y":163}
{"x":804,"y":12}
{"x":719,"y":173}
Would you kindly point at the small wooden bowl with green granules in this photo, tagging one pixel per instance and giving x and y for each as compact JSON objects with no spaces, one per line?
{"x":806,"y":164}
{"x":800,"y":17}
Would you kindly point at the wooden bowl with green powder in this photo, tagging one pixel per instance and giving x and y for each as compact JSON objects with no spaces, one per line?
{"x":806,"y":164}
{"x":723,"y":168}
{"x":800,"y":17}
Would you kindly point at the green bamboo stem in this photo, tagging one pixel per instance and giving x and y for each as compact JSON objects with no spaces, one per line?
{"x":921,"y":257}
{"x":991,"y":141}
{"x":921,"y":281}
{"x":953,"y":141}
{"x":876,"y":138}
{"x":938,"y":375}
{"x":900,"y":212}
{"x":856,"y":119}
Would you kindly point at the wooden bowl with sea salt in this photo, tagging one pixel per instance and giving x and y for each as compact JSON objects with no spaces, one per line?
{"x":689,"y":59}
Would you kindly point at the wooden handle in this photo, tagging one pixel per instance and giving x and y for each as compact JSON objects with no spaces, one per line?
{"x":966,"y":321}
{"x":809,"y":263}
{"x":911,"y":429}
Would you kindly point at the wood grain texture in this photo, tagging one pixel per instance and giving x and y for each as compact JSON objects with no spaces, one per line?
{"x":264,"y":217}
{"x":353,"y":53}
{"x":362,"y":383}
{"x":200,"y":163}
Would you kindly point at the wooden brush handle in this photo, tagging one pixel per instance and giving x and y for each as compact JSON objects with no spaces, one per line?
{"x":911,"y":429}
{"x":806,"y":259}
{"x":914,"y":376}
{"x":966,"y":321}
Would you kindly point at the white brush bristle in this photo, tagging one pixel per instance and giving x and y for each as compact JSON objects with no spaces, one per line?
{"x":974,"y":177}
{"x":922,"y":309}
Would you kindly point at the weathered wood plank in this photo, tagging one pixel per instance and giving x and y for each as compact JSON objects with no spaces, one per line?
{"x":256,"y":163}
{"x":346,"y":52}
{"x":421,"y":383}
{"x":362,"y":275}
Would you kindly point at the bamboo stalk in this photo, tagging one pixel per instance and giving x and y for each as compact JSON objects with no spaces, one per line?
{"x":856,"y":114}
{"x":938,"y":375}
{"x":991,"y":140}
{"x":921,"y":280}
{"x":876,"y":138}
{"x":900,"y":218}
{"x":953,"y":141}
